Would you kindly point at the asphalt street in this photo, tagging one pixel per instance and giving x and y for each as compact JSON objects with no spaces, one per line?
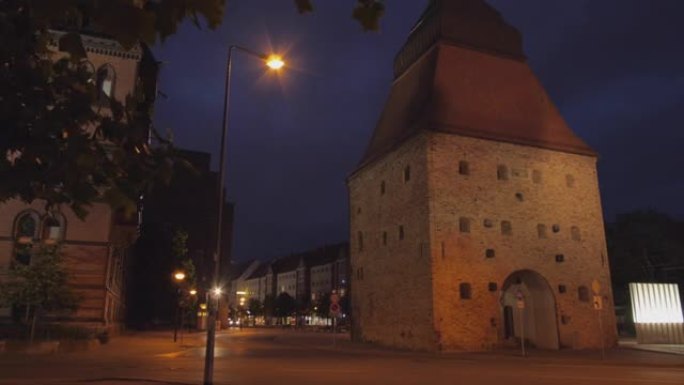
{"x":284,"y":357}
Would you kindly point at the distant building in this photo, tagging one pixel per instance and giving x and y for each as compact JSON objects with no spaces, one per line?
{"x":304,"y":276}
{"x":96,"y":249}
{"x":475,"y":205}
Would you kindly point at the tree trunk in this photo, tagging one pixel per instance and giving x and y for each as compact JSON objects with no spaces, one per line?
{"x":33,"y":325}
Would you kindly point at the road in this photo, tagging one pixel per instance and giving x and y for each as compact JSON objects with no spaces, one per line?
{"x":283,"y":357}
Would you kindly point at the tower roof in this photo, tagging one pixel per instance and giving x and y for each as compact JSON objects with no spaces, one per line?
{"x":462,"y":71}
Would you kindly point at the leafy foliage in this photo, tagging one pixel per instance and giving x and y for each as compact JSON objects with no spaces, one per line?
{"x":41,"y":285}
{"x":255,"y":307}
{"x":285,"y":305}
{"x":54,"y":146}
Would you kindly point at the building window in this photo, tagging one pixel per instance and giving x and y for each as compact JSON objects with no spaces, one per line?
{"x":359,"y":273}
{"x":26,"y":227}
{"x":465,"y":291}
{"x":555,"y":228}
{"x":502,"y":172}
{"x":560,"y":258}
{"x":506,"y":228}
{"x":570,"y":181}
{"x":490,"y":253}
{"x":493,"y":286}
{"x":536,"y":176}
{"x":53,"y":229}
{"x":360,"y":240}
{"x":382,"y":188}
{"x":488,"y":223}
{"x":464,"y":224}
{"x":106,"y":80}
{"x":583,"y":294}
{"x":384,"y":238}
{"x":407,"y":173}
{"x":519,"y":196}
{"x":575,"y":233}
{"x":541,"y":231}
{"x":463,"y":168}
{"x":401,"y":233}
{"x":562,"y":289}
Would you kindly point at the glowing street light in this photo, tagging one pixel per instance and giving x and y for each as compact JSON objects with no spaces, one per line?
{"x":217,"y":291}
{"x":193,"y":292}
{"x":275,"y":62}
{"x":179,"y":276}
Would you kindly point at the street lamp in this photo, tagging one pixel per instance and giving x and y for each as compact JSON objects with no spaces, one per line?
{"x":179,"y":276}
{"x":275,"y":63}
{"x":193,"y":292}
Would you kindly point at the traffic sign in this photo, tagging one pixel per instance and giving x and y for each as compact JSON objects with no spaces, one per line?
{"x":596,"y":287}
{"x":598,"y":302}
{"x":335,"y":309}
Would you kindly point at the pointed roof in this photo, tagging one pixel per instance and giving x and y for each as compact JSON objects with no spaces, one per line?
{"x":462,"y":71}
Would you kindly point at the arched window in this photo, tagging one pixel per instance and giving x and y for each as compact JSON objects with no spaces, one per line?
{"x":106,"y":80}
{"x":53,"y":228}
{"x":25,"y":233}
{"x":26,"y":227}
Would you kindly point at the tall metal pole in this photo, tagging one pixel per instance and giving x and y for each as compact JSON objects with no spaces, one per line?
{"x":213,"y":311}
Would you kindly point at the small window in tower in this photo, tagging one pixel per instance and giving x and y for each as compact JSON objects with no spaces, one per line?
{"x":401,"y":232}
{"x":536,"y":176}
{"x":506,"y":228}
{"x":541,"y":230}
{"x":384,"y":238}
{"x":465,"y":291}
{"x":360,"y":240}
{"x":488,"y":223}
{"x":463,"y":168}
{"x":358,"y":210}
{"x":583,"y":294}
{"x":570,"y":181}
{"x":502,"y":172}
{"x":560,"y":258}
{"x":562,"y":289}
{"x":555,"y":228}
{"x":464,"y":224}
{"x":520,"y":197}
{"x":575,"y":233}
{"x":493,"y":286}
{"x":382,"y":188}
{"x":490,"y":253}
{"x":407,"y":174}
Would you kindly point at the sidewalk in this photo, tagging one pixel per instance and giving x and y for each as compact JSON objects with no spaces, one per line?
{"x":643,"y":355}
{"x":667,"y":349}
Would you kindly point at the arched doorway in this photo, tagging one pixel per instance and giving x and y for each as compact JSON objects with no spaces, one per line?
{"x":537,"y":321}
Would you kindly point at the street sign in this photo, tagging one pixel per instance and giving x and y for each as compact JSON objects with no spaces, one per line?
{"x":334,"y":298}
{"x":334,"y":309}
{"x":598,"y":302}
{"x":596,"y":287}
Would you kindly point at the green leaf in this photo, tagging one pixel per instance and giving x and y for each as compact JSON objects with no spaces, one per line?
{"x":304,"y":6}
{"x":369,"y":13}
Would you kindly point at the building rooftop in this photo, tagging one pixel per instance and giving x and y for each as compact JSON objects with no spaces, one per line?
{"x":462,"y":71}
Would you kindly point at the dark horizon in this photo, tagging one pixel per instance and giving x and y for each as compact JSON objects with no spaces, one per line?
{"x":612,"y":68}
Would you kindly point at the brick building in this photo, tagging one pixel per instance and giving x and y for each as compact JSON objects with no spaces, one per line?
{"x":474,"y":191}
{"x":95,"y":249}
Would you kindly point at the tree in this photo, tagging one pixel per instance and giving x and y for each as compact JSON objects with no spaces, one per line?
{"x":41,"y":286}
{"x":285,"y":305}
{"x":46,"y":152}
{"x":255,"y":307}
{"x":322,"y":307}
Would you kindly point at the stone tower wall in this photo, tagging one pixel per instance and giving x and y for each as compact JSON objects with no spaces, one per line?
{"x":391,"y":284}
{"x":543,"y":187}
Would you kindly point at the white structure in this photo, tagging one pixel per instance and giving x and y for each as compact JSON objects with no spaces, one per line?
{"x":657,"y":312}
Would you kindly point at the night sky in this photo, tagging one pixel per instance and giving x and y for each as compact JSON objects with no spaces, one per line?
{"x":615,"y":69}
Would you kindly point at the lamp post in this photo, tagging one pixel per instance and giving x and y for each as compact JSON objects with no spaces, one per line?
{"x":273,"y":62}
{"x":179,"y":276}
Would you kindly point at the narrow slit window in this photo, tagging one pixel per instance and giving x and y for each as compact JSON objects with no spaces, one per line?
{"x":465,"y":291}
{"x":502,"y":172}
{"x":463,"y":168}
{"x":464,"y":224}
{"x":506,"y":228}
{"x":407,"y":173}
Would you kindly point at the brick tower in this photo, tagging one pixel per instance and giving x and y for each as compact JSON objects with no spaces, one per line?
{"x":475,"y":212}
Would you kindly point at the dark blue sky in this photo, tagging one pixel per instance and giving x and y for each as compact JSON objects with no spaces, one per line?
{"x":615,"y":69}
